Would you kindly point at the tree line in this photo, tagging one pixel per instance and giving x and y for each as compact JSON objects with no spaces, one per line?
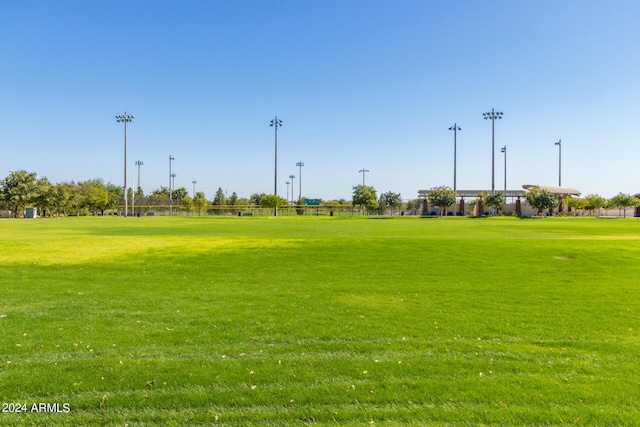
{"x":22,"y":189}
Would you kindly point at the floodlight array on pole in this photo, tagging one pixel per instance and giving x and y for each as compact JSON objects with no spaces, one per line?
{"x":276,"y":123}
{"x":455,"y":128}
{"x":300,"y":164}
{"x":194,"y":182}
{"x":363,"y":171}
{"x":288,"y":189}
{"x":493,"y":115}
{"x":171,"y":159}
{"x":138,"y":164}
{"x":125,"y":118}
{"x":292,"y":178}
{"x":559,"y":144}
{"x":504,"y":150}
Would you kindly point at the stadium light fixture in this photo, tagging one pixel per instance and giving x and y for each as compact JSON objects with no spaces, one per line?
{"x":125,"y":118}
{"x":493,"y":115}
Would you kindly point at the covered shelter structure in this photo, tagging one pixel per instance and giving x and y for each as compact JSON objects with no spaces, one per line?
{"x":513,"y":203}
{"x":462,"y":195}
{"x":560,"y":192}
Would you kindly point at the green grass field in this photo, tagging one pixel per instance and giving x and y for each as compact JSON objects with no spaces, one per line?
{"x":320,"y":321}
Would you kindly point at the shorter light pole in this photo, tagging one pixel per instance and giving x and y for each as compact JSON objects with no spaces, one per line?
{"x":173,"y":184}
{"x":559,"y":144}
{"x":288,"y":190}
{"x":363,"y":171}
{"x":292,"y":177}
{"x":504,"y":150}
{"x":455,"y":128}
{"x":138,"y":164}
{"x":170,"y":195}
{"x":300,"y":165}
{"x":194,"y":182}
{"x":276,"y":123}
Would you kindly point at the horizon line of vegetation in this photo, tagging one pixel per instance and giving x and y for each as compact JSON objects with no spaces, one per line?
{"x":21,"y":189}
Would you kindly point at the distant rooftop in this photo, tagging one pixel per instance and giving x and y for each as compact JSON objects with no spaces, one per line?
{"x":474,"y":193}
{"x":562,"y":191}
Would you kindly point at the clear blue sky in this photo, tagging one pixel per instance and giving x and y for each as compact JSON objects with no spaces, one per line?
{"x":358,"y":84}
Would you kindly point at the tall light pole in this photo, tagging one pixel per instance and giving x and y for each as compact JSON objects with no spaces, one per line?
{"x":171,"y":158}
{"x":292,"y":177}
{"x":138,"y":164}
{"x":504,"y":150}
{"x":125,"y":118}
{"x":194,"y":182}
{"x":493,"y":115}
{"x":559,"y":144}
{"x":276,"y":123}
{"x":288,"y":190}
{"x":173,"y":181}
{"x":363,"y":171}
{"x":455,"y":128}
{"x":300,"y":165}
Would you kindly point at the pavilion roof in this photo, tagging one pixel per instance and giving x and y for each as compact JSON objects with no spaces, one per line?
{"x":475,"y":193}
{"x":554,"y":189}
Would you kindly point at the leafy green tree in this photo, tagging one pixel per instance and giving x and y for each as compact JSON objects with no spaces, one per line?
{"x":365,"y":196}
{"x":94,"y":196}
{"x":200,"y":201}
{"x":140,"y":197}
{"x":139,"y":200}
{"x":382,"y":205}
{"x":233,"y":200}
{"x":18,"y":190}
{"x":113,"y":194}
{"x":75,"y":199}
{"x":159,"y":196}
{"x":413,"y":206}
{"x":271,"y":201}
{"x":255,"y":199}
{"x":44,"y":197}
{"x":391,"y":200}
{"x":219,"y":199}
{"x":60,"y":197}
{"x":242,"y":201}
{"x":623,"y":201}
{"x":593,"y":202}
{"x":442,"y":197}
{"x":540,"y":199}
{"x":576,"y":204}
{"x":495,"y":200}
{"x":130,"y":195}
{"x":179,"y":193}
{"x":186,"y":202}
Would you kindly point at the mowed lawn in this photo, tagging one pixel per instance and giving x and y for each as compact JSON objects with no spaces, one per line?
{"x":320,"y":321}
